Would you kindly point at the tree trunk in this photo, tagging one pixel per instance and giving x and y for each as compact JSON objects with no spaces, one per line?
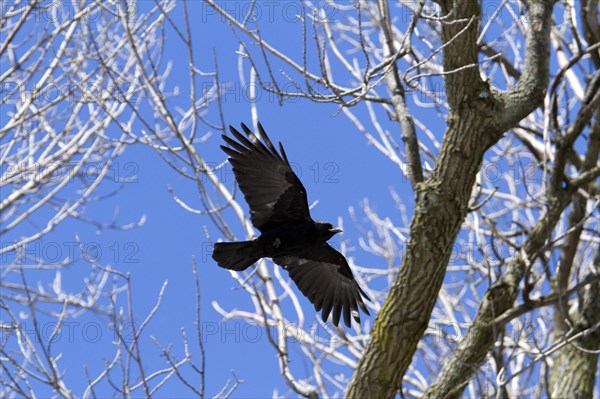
{"x":476,"y":121}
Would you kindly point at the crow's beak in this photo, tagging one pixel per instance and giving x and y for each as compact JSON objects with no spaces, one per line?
{"x":336,"y":230}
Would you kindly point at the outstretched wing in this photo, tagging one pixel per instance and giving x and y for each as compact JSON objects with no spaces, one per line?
{"x":322,"y":274}
{"x":271,"y":188}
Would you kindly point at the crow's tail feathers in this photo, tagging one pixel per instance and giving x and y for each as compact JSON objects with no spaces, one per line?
{"x":236,"y":255}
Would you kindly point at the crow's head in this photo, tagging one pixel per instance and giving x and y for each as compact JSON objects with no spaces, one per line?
{"x":327,"y":230}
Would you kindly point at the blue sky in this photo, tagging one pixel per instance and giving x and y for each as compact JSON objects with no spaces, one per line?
{"x":332,"y":159}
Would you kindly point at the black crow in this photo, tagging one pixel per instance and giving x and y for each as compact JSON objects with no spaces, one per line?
{"x":279,"y":209}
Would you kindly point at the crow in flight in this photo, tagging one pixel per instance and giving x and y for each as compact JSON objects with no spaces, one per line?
{"x":279,"y":209}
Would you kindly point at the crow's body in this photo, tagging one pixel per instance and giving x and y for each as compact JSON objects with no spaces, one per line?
{"x":279,"y":209}
{"x":281,"y":240}
{"x":289,"y":238}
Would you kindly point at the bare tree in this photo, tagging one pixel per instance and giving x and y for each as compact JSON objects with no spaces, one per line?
{"x":490,"y":284}
{"x":512,"y":184}
{"x":79,"y":80}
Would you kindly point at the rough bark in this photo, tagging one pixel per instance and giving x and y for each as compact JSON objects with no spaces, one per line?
{"x":573,"y":372}
{"x":476,"y":120}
